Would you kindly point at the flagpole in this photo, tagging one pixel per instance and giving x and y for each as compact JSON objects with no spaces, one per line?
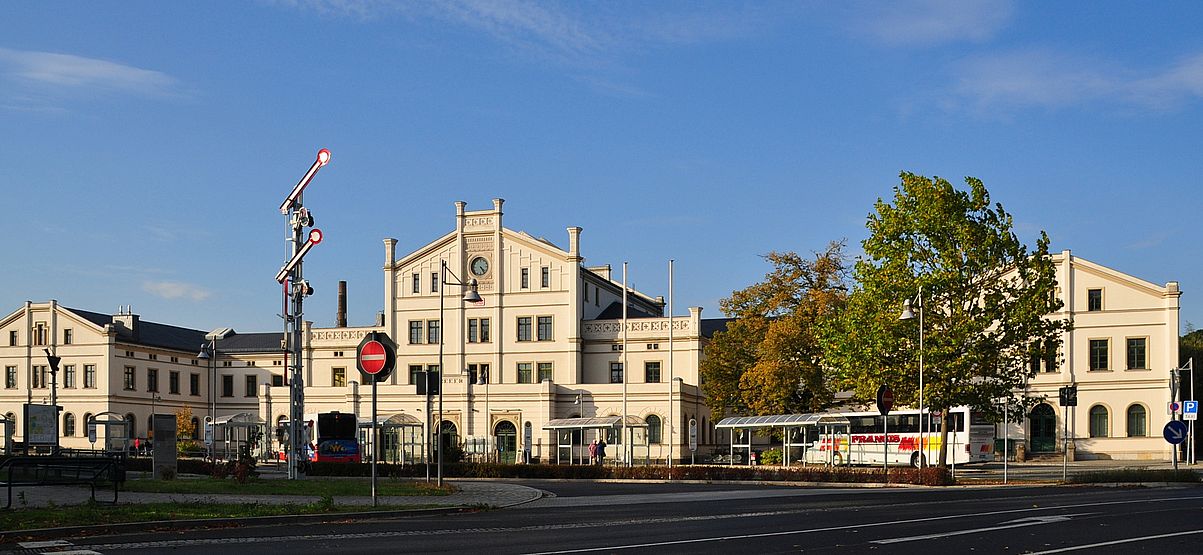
{"x":672,"y":421}
{"x":626,"y":441}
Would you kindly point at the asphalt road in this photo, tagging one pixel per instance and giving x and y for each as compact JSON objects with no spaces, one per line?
{"x":696,"y":518}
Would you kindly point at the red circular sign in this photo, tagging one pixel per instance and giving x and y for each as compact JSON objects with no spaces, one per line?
{"x":372,"y":357}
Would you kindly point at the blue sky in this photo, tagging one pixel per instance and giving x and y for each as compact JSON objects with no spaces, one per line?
{"x":147,"y":145}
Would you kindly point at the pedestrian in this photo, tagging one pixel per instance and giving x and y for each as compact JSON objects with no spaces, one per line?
{"x":601,"y":451}
{"x":593,"y":452}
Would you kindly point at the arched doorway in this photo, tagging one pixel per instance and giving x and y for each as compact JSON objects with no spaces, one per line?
{"x":449,"y":441}
{"x":1043,"y":425}
{"x":506,"y":438}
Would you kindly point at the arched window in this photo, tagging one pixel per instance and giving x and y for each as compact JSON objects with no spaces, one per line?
{"x":87,"y":418}
{"x":1098,"y":421}
{"x":131,"y":423}
{"x":653,"y":429}
{"x":1137,"y":423}
{"x":68,"y":425}
{"x":195,"y":428}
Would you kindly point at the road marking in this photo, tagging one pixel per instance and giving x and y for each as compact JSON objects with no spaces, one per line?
{"x":1118,"y":542}
{"x":43,"y":545}
{"x":610,"y":523}
{"x":1020,"y":523}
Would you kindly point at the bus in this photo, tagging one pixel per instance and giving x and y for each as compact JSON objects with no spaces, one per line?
{"x":970,"y":438}
{"x":336,"y":437}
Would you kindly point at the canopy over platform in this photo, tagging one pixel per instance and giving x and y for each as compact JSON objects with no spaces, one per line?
{"x":593,"y":423}
{"x":782,"y":420}
{"x":399,"y":419}
{"x":239,"y":420}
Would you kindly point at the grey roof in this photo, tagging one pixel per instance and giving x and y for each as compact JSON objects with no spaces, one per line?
{"x":251,"y":343}
{"x":152,"y":334}
{"x":781,"y":420}
{"x":711,"y":325}
{"x":614,"y":312}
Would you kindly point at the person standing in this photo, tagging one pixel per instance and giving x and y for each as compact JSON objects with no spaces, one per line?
{"x":593,"y":452}
{"x":601,"y":451}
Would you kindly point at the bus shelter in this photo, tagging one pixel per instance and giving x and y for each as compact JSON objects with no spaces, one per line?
{"x":400,"y":439}
{"x":572,"y":437}
{"x":6,"y":433}
{"x":241,"y":430}
{"x":116,"y":432}
{"x":800,"y":434}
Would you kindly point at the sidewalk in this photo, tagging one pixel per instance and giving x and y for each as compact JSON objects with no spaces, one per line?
{"x":470,"y":494}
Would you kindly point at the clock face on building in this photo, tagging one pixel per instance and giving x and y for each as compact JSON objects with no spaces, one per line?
{"x":480,"y":266}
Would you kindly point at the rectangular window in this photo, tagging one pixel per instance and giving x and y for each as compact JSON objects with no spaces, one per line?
{"x":417,"y":288}
{"x":90,"y":376}
{"x":39,"y":334}
{"x":1137,"y":353}
{"x":227,"y":385}
{"x":432,"y":331}
{"x":415,"y":332}
{"x":12,"y":339}
{"x":10,"y":377}
{"x":596,"y":296}
{"x":173,"y":383}
{"x":615,"y":372}
{"x":545,"y":328}
{"x":1098,"y":354}
{"x":586,"y":289}
{"x":252,"y":384}
{"x":277,"y":380}
{"x":484,"y":331}
{"x":524,"y":372}
{"x":651,"y":372}
{"x":478,"y":374}
{"x":525,"y":283}
{"x":473,"y":330}
{"x":434,"y":282}
{"x":152,"y":380}
{"x":194,"y":384}
{"x":545,"y":371}
{"x":545,"y":277}
{"x":129,"y":382}
{"x":415,"y":373}
{"x":68,"y":336}
{"x":69,"y":376}
{"x":339,"y":377}
{"x":39,"y":377}
{"x":524,"y":328}
{"x":1094,"y":300}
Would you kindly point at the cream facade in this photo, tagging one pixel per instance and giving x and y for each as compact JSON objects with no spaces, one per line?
{"x":1120,"y":355}
{"x":545,"y":343}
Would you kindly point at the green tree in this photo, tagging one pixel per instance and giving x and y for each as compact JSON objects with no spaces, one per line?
{"x":185,"y":431}
{"x":769,"y":360}
{"x":987,"y":301}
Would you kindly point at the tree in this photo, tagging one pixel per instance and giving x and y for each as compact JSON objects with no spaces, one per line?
{"x":769,"y":360}
{"x":987,"y":301}
{"x":185,"y":431}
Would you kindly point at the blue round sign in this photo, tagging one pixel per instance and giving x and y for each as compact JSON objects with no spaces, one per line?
{"x":1175,"y":431}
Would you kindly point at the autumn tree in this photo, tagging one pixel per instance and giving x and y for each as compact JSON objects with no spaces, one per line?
{"x":769,"y":360}
{"x":185,"y":430}
{"x":987,"y":301}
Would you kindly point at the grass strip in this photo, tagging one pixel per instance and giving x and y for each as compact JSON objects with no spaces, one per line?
{"x":95,"y":513}
{"x":1132,"y":475}
{"x":308,"y":486}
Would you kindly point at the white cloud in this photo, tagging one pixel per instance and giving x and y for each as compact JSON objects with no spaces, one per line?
{"x":930,"y":22}
{"x":1051,"y":80}
{"x":49,"y":70}
{"x":175,"y":290}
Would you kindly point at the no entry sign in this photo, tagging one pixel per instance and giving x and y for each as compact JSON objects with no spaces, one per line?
{"x":376,"y":356}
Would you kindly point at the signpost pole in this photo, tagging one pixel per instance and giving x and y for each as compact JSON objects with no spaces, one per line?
{"x":375,"y":437}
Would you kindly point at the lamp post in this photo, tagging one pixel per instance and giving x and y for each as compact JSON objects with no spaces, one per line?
{"x":209,"y":352}
{"x":907,"y":314}
{"x":472,"y":297}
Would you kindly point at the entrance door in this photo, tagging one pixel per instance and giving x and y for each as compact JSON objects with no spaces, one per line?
{"x":1043,"y":424}
{"x":506,"y":436}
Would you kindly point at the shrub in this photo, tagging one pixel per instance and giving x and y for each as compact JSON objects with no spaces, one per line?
{"x":771,"y":456}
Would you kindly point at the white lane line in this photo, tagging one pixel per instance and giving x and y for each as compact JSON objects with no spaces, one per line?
{"x":1020,"y":523}
{"x":859,"y":526}
{"x":43,"y":545}
{"x":1118,"y":542}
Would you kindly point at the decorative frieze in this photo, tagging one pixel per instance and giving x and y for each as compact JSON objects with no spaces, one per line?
{"x":340,"y":335}
{"x":643,"y":327}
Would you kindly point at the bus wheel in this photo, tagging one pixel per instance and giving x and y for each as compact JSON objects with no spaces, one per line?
{"x":916,"y":460}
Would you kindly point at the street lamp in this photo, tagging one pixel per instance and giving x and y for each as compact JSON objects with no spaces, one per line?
{"x":206,"y":349}
{"x":471,"y":297}
{"x":907,"y":314}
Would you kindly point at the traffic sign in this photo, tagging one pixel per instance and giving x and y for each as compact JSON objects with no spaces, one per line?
{"x":1190,"y":410}
{"x":1175,"y":407}
{"x":1174,"y":432}
{"x":376,"y":356}
{"x":693,"y":434}
{"x":885,"y":399}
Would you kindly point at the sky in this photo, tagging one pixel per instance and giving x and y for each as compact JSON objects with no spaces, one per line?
{"x":146,"y":146}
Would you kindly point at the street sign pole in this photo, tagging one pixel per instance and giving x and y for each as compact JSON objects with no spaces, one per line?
{"x":376,"y":357}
